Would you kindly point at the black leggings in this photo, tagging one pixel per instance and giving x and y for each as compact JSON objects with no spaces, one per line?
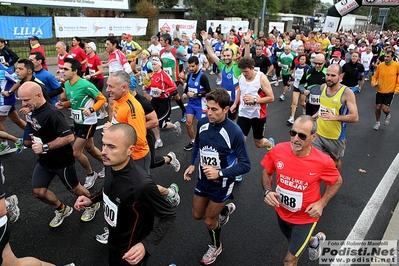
{"x":155,"y":161}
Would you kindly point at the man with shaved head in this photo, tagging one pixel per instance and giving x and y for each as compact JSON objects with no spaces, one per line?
{"x":49,"y":136}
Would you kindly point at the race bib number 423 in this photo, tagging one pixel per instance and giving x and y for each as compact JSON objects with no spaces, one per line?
{"x":210,"y":158}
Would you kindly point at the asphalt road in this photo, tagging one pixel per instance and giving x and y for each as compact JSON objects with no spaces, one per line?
{"x":252,"y":236}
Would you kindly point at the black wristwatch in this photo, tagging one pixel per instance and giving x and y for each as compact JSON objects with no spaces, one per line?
{"x":45,"y":147}
{"x":255,"y":101}
{"x":91,"y":110}
{"x":265,"y":192}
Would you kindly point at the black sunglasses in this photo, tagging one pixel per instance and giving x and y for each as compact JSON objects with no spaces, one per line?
{"x":302,"y":136}
{"x":318,"y":63}
{"x":66,"y":69}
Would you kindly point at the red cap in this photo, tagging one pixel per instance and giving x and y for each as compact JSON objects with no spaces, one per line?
{"x":336,"y":53}
{"x":128,"y":36}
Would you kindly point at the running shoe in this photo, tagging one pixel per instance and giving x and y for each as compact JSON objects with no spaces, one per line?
{"x":376,"y":126}
{"x":189,"y":146}
{"x":177,"y":128}
{"x":274,"y":77}
{"x":70,"y":264}
{"x":101,"y":174}
{"x":387,"y":119}
{"x":183,"y":119}
{"x":90,"y":180}
{"x":158,"y":144}
{"x":239,"y":178}
{"x":314,"y":253}
{"x":211,"y":255}
{"x":4,"y":148}
{"x":366,"y":79}
{"x":224,"y":219}
{"x":174,"y":162}
{"x":60,"y":216}
{"x":212,"y":73}
{"x":90,"y":212}
{"x":13,"y":210}
{"x":273,"y":144}
{"x":276,"y":84}
{"x":103,"y":238}
{"x":282,"y":97}
{"x":218,"y":81}
{"x":19,"y":146}
{"x":290,"y":120}
{"x":174,"y":200}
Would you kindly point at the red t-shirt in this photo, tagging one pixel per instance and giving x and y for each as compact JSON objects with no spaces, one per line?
{"x":163,"y":82}
{"x":80,"y":55}
{"x":61,"y":62}
{"x":93,"y":63}
{"x":298,"y":180}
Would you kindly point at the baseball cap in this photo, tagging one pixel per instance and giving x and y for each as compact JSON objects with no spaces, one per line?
{"x":336,"y":53}
{"x":92,"y":45}
{"x":128,"y":36}
{"x":352,"y":46}
{"x":34,"y":38}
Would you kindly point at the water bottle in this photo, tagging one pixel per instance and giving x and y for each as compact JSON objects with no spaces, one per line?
{"x":172,"y":264}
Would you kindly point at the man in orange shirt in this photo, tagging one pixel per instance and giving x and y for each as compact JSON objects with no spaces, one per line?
{"x":386,"y":81}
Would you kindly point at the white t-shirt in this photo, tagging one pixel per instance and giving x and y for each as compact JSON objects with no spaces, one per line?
{"x":155,"y":48}
{"x":365,"y":59}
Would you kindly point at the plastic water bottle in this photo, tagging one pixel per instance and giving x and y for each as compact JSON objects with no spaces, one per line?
{"x":172,"y":264}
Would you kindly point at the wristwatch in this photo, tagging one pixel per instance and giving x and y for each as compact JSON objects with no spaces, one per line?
{"x":220,"y":173}
{"x":265,"y":192}
{"x":45,"y":147}
{"x":91,"y":110}
{"x":255,"y":100}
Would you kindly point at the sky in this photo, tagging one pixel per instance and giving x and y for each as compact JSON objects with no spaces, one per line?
{"x":327,"y":1}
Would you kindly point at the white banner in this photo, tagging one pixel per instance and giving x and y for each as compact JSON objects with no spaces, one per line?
{"x":346,"y":6}
{"x":227,"y":25}
{"x":381,"y":3}
{"x":279,"y":26}
{"x":331,"y":24}
{"x":98,"y":27}
{"x":92,"y":4}
{"x":186,"y":26}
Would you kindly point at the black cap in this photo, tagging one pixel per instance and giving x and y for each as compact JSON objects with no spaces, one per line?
{"x":34,"y":38}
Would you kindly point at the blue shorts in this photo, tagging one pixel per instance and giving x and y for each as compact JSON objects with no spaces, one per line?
{"x":195,"y":110}
{"x":218,"y":191}
{"x":366,"y":72}
{"x":355,"y":89}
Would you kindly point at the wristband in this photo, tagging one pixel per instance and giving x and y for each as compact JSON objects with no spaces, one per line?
{"x":45,"y":147}
{"x":91,"y":110}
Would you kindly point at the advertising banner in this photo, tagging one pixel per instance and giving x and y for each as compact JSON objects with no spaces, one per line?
{"x":91,"y":4}
{"x":227,"y":25}
{"x":186,"y":26}
{"x":19,"y":28}
{"x":98,"y":26}
{"x":346,"y":6}
{"x":279,"y":26}
{"x":381,"y":3}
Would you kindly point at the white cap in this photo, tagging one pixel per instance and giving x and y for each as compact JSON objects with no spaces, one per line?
{"x":352,"y":46}
{"x":92,"y":45}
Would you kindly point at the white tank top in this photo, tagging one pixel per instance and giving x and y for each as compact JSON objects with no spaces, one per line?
{"x":250,"y":110}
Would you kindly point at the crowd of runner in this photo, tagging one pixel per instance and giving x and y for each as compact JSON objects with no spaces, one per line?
{"x":324,"y":72}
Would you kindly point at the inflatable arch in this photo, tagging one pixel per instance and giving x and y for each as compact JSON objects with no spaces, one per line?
{"x":344,"y":7}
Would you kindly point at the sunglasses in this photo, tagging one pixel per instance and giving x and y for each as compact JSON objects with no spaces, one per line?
{"x":302,"y":136}
{"x":229,"y":49}
{"x":318,"y":63}
{"x":66,"y":69}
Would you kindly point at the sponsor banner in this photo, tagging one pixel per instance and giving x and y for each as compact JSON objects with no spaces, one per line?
{"x":92,"y":4}
{"x":359,"y":252}
{"x":98,"y":26}
{"x":227,"y":25}
{"x":381,"y":2}
{"x":279,"y":26}
{"x":331,"y":24}
{"x":346,"y":6}
{"x":187,"y":27}
{"x":17,"y":28}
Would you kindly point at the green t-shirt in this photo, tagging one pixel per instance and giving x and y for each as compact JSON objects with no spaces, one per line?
{"x":82,"y":94}
{"x":286,"y":62}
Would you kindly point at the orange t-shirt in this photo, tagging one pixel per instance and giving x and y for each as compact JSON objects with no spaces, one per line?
{"x":129,"y":111}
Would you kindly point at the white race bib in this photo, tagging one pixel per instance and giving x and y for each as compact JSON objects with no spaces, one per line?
{"x":77,"y":116}
{"x":168,"y":70}
{"x":144,"y":74}
{"x":193,"y":90}
{"x":110,"y":211}
{"x":291,"y":200}
{"x":314,"y":99}
{"x":155,"y":92}
{"x":210,"y":158}
{"x":324,"y":109}
{"x":257,"y":69}
{"x":92,"y":71}
{"x":285,"y":67}
{"x":128,"y":52}
{"x":217,"y":53}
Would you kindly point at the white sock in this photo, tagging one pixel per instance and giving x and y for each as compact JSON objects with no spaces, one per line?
{"x":5,"y":143}
{"x":315,"y":243}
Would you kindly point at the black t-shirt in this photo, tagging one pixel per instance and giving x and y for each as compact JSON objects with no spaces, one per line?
{"x":351,"y":77}
{"x":146,"y":104}
{"x":262,"y":62}
{"x":135,"y":200}
{"x":48,"y":123}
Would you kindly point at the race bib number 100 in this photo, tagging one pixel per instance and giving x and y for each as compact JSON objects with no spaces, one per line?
{"x":110,"y":211}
